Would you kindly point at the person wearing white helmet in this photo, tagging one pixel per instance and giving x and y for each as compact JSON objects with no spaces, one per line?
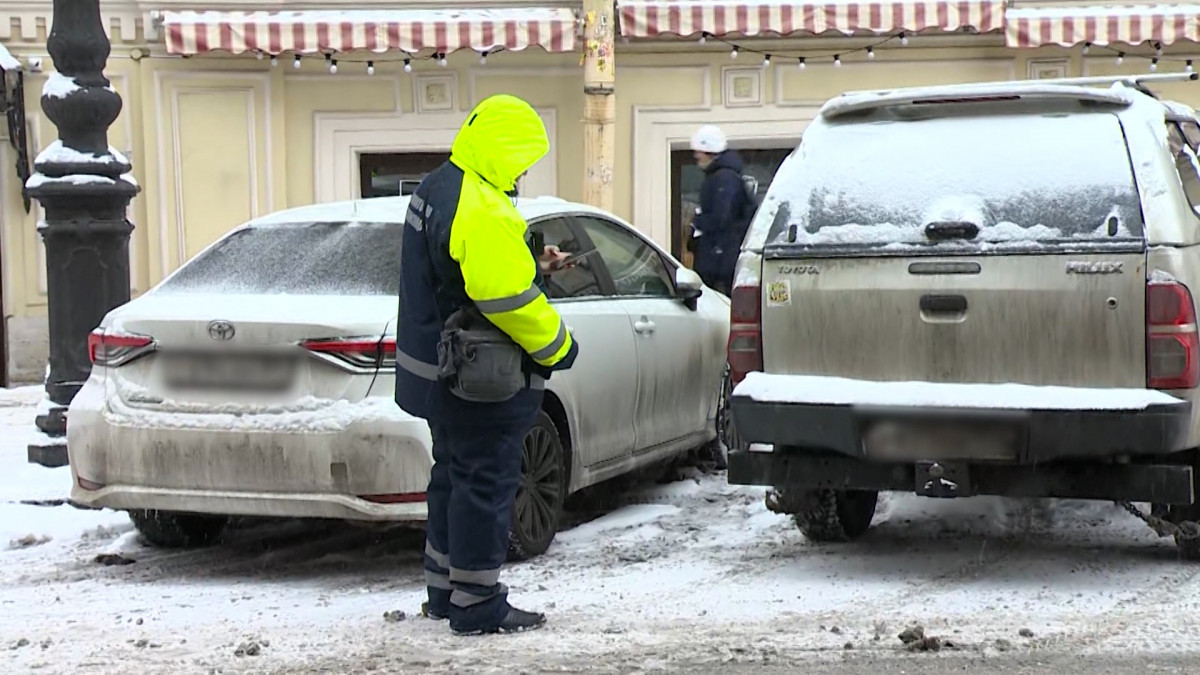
{"x":725,"y":209}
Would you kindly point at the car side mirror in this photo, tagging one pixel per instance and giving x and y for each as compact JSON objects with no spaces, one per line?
{"x":689,"y":286}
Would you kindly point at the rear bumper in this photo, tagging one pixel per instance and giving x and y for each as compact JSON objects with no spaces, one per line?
{"x":823,"y":418}
{"x":785,"y":468}
{"x":241,"y":503}
{"x":313,"y":463}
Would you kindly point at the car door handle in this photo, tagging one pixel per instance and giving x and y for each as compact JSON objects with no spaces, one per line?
{"x":644,"y":326}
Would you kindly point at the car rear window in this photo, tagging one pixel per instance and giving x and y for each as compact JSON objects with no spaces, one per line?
{"x":298,"y":259}
{"x":1021,"y":179}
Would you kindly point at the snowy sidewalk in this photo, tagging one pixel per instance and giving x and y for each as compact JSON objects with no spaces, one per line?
{"x":693,"y":575}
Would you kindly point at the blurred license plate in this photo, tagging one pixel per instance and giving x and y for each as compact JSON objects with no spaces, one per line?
{"x":247,"y":372}
{"x":935,"y":440}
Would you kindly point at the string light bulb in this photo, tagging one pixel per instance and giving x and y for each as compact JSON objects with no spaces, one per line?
{"x":766,"y":60}
{"x":1087,"y":47}
{"x":408,"y":65}
{"x":837,"y":60}
{"x":1120,"y":58}
{"x":370,"y":67}
{"x":733,"y":53}
{"x":483,"y":59}
{"x":1153,"y":64}
{"x":274,"y":61}
{"x":801,"y":65}
{"x":258,"y":55}
{"x":703,"y":37}
{"x":296,"y":61}
{"x":904,"y":39}
{"x":870,"y":52}
{"x":1189,"y":67}
{"x":333,"y":66}
{"x":442,"y":60}
{"x":1158,"y":50}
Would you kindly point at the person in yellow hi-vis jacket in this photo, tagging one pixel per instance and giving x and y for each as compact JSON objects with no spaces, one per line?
{"x":465,"y":246}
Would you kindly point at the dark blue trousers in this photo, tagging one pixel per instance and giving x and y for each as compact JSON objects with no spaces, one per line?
{"x":476,"y":472}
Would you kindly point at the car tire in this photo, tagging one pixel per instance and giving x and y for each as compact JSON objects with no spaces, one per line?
{"x":168,"y":529}
{"x":728,"y":438}
{"x":538,"y":507}
{"x":827,"y":515}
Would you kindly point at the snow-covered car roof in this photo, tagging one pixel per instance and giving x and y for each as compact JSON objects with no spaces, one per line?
{"x":392,"y":209}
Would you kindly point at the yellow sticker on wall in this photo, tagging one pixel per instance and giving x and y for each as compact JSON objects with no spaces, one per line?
{"x":779,"y":293}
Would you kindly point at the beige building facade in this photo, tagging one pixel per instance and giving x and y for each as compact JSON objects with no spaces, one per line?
{"x":217,"y":137}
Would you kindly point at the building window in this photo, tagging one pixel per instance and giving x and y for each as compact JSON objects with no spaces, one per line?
{"x":395,"y":173}
{"x":685,"y":188}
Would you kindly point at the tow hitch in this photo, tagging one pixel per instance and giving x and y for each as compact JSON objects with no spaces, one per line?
{"x":942,"y":480}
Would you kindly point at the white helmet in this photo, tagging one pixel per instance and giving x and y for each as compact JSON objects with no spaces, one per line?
{"x":709,"y":139}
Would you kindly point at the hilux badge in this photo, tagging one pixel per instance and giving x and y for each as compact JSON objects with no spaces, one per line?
{"x":1076,"y":267}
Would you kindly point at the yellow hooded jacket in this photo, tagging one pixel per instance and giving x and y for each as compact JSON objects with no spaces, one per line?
{"x":500,"y":140}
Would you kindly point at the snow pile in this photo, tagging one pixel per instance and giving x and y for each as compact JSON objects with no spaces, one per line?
{"x":58,"y":153}
{"x":819,"y":390}
{"x":59,"y":86}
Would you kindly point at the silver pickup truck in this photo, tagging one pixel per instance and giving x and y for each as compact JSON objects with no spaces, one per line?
{"x":976,"y":289}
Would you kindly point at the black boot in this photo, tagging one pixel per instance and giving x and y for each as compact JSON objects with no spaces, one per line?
{"x":515,"y":621}
{"x":430,"y":614}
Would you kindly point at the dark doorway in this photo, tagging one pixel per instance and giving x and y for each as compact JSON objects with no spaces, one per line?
{"x":395,"y":173}
{"x":685,"y":188}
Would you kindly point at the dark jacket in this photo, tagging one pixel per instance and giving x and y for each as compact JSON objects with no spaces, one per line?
{"x":464,"y":244}
{"x":723,"y":217}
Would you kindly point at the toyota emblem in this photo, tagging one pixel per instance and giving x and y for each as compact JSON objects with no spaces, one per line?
{"x":220,"y":330}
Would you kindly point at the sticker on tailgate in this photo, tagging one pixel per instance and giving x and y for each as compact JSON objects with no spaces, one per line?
{"x":779,"y":293}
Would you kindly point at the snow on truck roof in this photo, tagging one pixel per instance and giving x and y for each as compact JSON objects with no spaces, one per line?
{"x":392,"y":209}
{"x":857,"y":101}
{"x":1121,"y":90}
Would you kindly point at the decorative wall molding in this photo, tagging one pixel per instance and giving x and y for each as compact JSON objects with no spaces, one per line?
{"x":742,"y":87}
{"x":782,"y":71}
{"x":435,"y":92}
{"x":174,"y":83}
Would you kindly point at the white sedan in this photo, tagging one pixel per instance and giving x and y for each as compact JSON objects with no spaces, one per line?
{"x":258,"y":378}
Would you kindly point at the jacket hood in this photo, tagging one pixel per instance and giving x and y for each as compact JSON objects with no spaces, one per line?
{"x":726,"y":160}
{"x":502,"y":137}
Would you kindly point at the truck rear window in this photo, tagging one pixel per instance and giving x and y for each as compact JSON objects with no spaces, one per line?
{"x":1020,"y":180}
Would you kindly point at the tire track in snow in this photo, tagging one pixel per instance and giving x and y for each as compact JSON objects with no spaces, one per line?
{"x":1116,"y":620}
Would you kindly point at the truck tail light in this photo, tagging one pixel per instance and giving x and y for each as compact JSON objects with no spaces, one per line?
{"x":745,"y":332}
{"x":1172,"y":342}
{"x":111,"y":349}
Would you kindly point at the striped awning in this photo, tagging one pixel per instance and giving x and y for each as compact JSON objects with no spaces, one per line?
{"x":655,"y":18}
{"x":1068,"y":26}
{"x":444,"y":31}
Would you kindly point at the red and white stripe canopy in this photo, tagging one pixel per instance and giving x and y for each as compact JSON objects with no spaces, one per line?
{"x":444,"y":31}
{"x":1068,"y":26}
{"x":654,"y":18}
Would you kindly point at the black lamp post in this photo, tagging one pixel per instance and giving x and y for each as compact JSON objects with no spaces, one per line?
{"x":81,"y":185}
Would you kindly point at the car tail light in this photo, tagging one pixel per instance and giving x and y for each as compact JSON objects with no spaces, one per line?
{"x":113,"y":348}
{"x":1172,"y":342}
{"x":405,"y":498}
{"x":356,"y":353}
{"x":745,"y":332}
